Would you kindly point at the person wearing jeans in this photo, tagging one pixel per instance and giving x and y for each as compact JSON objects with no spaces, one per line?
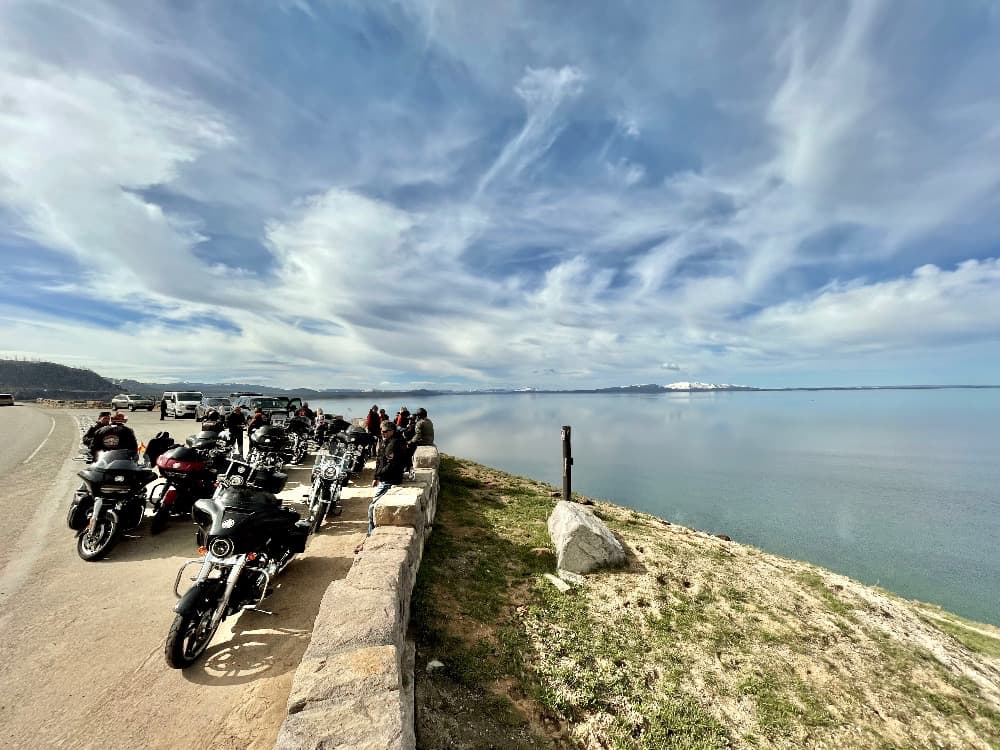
{"x":389,"y":467}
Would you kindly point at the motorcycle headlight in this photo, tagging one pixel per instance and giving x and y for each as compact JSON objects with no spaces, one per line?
{"x":330,"y":472}
{"x":235,"y":481}
{"x":221,"y":547}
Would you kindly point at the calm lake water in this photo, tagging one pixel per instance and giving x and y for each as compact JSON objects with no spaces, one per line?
{"x":895,"y":488}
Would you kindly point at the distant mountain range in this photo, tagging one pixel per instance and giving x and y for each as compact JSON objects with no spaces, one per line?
{"x":31,"y":380}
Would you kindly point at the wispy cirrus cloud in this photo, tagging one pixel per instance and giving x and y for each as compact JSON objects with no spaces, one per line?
{"x":427,"y":192}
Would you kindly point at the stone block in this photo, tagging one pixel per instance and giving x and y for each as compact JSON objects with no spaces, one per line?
{"x":371,"y":722}
{"x":426,"y":457}
{"x":351,"y":618}
{"x":583,"y":543}
{"x":400,"y":506}
{"x":394,"y":538}
{"x":350,"y":675}
{"x":385,"y":569}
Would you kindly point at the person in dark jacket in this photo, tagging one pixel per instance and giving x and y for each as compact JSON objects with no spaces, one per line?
{"x":235,"y":422}
{"x":158,"y":445}
{"x":103,"y":420}
{"x":163,"y":409}
{"x":389,"y":467}
{"x":114,"y":436}
{"x":259,"y":419}
{"x":424,"y":432}
{"x":213,"y":422}
{"x":372,"y":421}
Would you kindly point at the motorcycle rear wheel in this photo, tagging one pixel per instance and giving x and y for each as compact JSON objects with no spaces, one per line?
{"x":189,"y":636}
{"x":95,"y":544}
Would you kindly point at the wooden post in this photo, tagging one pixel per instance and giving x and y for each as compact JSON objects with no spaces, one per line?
{"x":567,"y":463}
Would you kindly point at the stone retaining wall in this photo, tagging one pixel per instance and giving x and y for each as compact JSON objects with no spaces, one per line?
{"x":354,"y":685}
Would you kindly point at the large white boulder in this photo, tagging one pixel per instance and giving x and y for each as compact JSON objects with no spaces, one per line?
{"x":583,"y":543}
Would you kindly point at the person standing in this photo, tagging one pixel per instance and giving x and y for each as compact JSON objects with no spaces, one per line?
{"x":235,"y":423}
{"x":163,"y":409}
{"x":372,"y":421}
{"x":389,"y":467}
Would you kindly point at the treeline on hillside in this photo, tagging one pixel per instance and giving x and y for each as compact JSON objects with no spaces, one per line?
{"x":30,"y":380}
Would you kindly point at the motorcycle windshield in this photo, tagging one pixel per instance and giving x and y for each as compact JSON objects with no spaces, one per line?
{"x":107,"y":459}
{"x":235,"y":511}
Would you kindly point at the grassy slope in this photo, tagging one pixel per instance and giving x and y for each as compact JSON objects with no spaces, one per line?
{"x":699,"y":643}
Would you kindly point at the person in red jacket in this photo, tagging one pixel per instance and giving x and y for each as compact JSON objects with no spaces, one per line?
{"x":372,"y":421}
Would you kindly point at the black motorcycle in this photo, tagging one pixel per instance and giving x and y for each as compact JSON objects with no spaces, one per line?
{"x":111,"y":500}
{"x":247,"y":539}
{"x":299,"y":431}
{"x":268,"y":447}
{"x":364,"y":443}
{"x":329,"y":476}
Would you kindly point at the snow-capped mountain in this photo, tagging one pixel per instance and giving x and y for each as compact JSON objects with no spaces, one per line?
{"x":686,"y":386}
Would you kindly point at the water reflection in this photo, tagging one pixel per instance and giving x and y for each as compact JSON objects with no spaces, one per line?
{"x":890,"y":487}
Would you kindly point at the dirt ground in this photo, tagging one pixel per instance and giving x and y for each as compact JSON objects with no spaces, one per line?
{"x":81,"y":644}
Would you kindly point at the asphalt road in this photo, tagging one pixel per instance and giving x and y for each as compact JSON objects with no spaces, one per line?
{"x":81,"y":644}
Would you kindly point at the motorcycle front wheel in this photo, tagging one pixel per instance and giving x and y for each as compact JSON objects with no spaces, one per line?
{"x":190,"y":635}
{"x":93,"y":544}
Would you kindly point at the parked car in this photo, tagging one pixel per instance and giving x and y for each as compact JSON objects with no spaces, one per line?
{"x":132,"y":401}
{"x":182,"y":403}
{"x":267,"y":404}
{"x":6,"y":399}
{"x":221,"y":405}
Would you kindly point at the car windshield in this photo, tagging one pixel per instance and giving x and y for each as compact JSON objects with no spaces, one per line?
{"x":189,"y":397}
{"x":218,"y":401}
{"x":134,"y":395}
{"x":267,"y":403}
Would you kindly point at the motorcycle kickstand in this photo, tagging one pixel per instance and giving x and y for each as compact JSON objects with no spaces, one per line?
{"x":253,"y":608}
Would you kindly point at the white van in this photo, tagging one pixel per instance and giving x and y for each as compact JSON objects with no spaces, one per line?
{"x":182,"y":403}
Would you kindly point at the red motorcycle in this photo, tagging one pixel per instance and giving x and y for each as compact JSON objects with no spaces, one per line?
{"x":191,"y":474}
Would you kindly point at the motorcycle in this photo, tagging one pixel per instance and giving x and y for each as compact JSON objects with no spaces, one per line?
{"x":247,"y":539}
{"x":111,"y":500}
{"x":364,"y":443}
{"x":268,"y":446}
{"x":298,"y":431}
{"x":190,"y":474}
{"x":329,"y":475}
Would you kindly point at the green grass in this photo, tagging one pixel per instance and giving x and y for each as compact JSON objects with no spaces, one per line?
{"x":585,"y":668}
{"x":623,"y":653}
{"x":977,"y":642}
{"x":813,"y":581}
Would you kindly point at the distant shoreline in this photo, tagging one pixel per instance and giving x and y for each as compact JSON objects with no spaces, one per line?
{"x":425,"y":393}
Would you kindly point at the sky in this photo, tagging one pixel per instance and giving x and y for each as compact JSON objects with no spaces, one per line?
{"x":502,"y":194}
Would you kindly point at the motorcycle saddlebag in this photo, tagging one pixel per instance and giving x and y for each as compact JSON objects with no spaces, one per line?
{"x":297,"y":536}
{"x":82,"y":502}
